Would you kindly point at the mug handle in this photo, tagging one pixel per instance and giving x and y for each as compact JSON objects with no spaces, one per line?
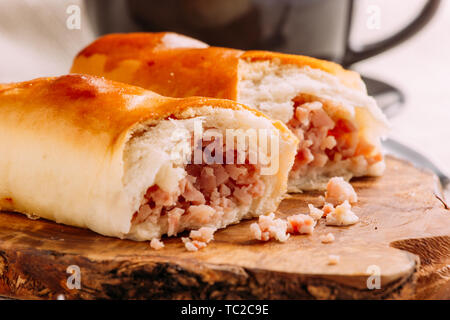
{"x":352,"y":55}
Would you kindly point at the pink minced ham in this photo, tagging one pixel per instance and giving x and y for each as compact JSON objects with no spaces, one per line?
{"x":207,"y":191}
{"x":156,"y":244}
{"x":268,"y":227}
{"x":326,"y":138}
{"x":198,"y":239}
{"x":301,"y":224}
{"x":342,"y":215}
{"x":339,"y":190}
{"x":312,"y":125}
{"x":327,"y":208}
{"x":314,"y":212}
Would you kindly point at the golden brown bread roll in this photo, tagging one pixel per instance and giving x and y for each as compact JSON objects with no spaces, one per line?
{"x":327,"y":107}
{"x":97,"y":154}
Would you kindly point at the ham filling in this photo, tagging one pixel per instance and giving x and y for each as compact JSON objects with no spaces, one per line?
{"x":205,"y":196}
{"x":339,"y":190}
{"x":324,"y":139}
{"x":198,"y":239}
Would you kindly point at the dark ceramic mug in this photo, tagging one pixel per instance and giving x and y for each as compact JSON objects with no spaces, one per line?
{"x":319,"y":28}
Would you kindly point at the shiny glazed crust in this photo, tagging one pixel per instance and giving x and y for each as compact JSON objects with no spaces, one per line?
{"x":62,"y":141}
{"x":150,"y":60}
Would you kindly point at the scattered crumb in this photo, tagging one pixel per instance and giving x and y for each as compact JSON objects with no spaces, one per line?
{"x":268,"y":228}
{"x":339,"y":193}
{"x":314,"y":212}
{"x":333,"y":259}
{"x":257,"y":232}
{"x":193,"y":245}
{"x":204,"y":234}
{"x":328,"y":238}
{"x":198,"y":239}
{"x":327,"y":208}
{"x":339,"y":190}
{"x":321,"y":200}
{"x":32,"y":216}
{"x":156,"y":244}
{"x":342,"y":215}
{"x":300,"y":223}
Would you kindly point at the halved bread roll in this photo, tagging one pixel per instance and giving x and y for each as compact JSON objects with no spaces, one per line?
{"x":339,"y":126}
{"x":117,"y":159}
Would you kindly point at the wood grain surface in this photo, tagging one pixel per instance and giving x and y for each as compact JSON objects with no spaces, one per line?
{"x":404,"y":232}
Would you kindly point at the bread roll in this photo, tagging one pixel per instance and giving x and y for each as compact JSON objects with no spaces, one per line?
{"x":117,"y":159}
{"x":327,"y":107}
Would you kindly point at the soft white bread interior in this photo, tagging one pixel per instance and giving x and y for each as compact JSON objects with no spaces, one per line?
{"x":272,"y":87}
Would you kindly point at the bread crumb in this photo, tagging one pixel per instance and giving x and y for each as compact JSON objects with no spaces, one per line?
{"x":268,"y":228}
{"x":156,"y":244}
{"x":333,"y":259}
{"x":342,"y":215}
{"x":193,"y":245}
{"x":339,"y":190}
{"x":188,"y":244}
{"x":327,"y":208}
{"x":327,"y":238}
{"x":314,"y":212}
{"x":198,"y":239}
{"x":321,"y":200}
{"x":300,"y":223}
{"x":204,"y":234}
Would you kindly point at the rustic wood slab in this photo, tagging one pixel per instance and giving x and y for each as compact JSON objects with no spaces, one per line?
{"x":404,"y":231}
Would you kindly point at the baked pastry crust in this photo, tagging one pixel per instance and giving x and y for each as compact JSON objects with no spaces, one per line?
{"x":62,"y":143}
{"x":148,"y":59}
{"x":179,"y":66}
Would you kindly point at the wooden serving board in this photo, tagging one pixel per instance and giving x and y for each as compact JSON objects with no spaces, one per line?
{"x":404,"y":231}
